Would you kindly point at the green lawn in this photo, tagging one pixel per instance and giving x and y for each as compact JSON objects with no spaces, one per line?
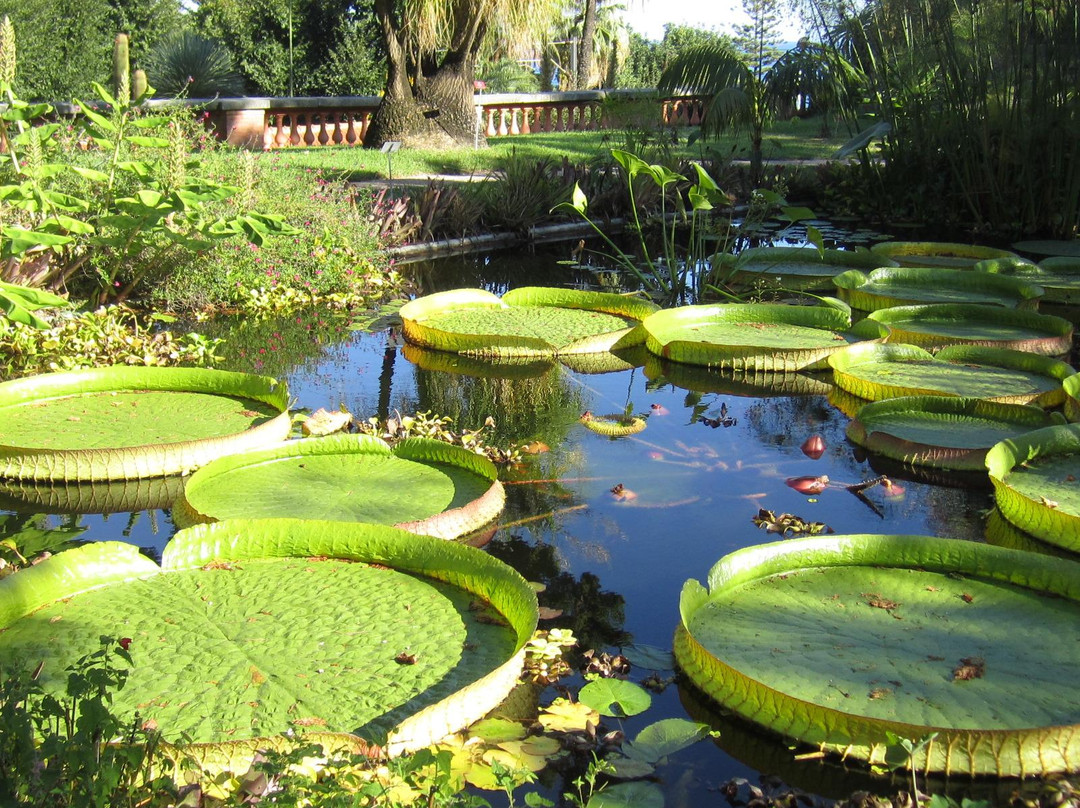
{"x":797,"y":139}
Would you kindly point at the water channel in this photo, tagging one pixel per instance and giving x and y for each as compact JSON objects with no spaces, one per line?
{"x":714,"y":452}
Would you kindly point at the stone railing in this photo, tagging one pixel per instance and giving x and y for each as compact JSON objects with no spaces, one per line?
{"x":275,"y":123}
{"x":278,"y":123}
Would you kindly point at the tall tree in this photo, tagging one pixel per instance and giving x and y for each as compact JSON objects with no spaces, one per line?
{"x":759,"y":39}
{"x":432,"y":47}
{"x":586,"y":46}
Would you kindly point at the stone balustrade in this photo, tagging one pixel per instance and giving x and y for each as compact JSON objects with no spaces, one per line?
{"x":277,"y":123}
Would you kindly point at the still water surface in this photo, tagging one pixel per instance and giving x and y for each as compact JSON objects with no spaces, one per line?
{"x":614,"y":567}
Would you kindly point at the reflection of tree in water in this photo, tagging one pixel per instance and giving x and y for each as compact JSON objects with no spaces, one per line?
{"x":594,"y":614}
{"x":545,"y":407}
{"x":277,"y":345}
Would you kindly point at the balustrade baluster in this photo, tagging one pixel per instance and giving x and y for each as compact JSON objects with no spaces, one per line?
{"x":502,"y":121}
{"x":491,"y":131}
{"x":350,"y":129}
{"x":514,"y":128}
{"x":366,"y":121}
{"x":324,"y":136}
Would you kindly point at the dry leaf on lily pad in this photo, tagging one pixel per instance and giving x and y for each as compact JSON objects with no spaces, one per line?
{"x":325,"y":422}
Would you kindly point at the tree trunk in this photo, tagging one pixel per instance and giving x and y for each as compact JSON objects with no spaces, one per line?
{"x":435,"y":109}
{"x":586,"y":47}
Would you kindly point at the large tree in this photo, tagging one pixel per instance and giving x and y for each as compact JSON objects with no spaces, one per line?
{"x":432,"y":47}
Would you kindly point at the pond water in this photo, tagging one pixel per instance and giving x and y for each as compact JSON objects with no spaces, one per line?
{"x":714,"y":453}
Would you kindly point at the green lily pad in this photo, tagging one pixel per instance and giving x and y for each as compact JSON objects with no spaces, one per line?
{"x":120,"y":423}
{"x":615,"y":697}
{"x":900,"y":635}
{"x":525,"y":322}
{"x":1059,"y":277}
{"x":615,"y":425}
{"x":884,"y":288}
{"x":421,"y":485}
{"x":1053,"y":247}
{"x":942,"y":431}
{"x":937,"y":253}
{"x":795,"y":268}
{"x":875,"y":372}
{"x":627,"y":795}
{"x":1036,"y":479}
{"x":1003,"y":533}
{"x":662,"y":738}
{"x":937,"y":325}
{"x":253,"y":627}
{"x":742,"y":337}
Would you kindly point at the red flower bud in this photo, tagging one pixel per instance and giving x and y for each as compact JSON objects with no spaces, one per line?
{"x":125,"y":642}
{"x":814,"y":447}
{"x":808,"y":485}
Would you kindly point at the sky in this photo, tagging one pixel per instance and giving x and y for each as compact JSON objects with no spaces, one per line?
{"x":648,"y":17}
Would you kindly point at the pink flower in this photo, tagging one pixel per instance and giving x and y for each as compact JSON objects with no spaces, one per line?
{"x":125,"y":642}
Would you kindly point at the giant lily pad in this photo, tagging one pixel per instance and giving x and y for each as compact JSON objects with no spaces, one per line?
{"x":525,"y":322}
{"x":1036,"y":480}
{"x":421,"y":485}
{"x":937,"y":325}
{"x":902,"y":286}
{"x":1062,"y":248}
{"x":121,"y":423}
{"x":876,"y":372}
{"x":937,"y":253}
{"x":942,"y":431}
{"x":908,"y":635}
{"x":1059,"y":277}
{"x":769,"y":337}
{"x":795,"y":268}
{"x":253,"y":627}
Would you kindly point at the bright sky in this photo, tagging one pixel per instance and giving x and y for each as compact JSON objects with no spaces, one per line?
{"x":648,"y":17}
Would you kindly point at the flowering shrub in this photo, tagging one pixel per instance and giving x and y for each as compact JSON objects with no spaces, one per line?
{"x":334,"y":256}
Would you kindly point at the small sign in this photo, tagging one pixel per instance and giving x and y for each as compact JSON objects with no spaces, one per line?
{"x":390,"y":146}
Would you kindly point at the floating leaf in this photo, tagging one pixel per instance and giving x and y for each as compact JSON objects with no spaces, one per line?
{"x":628,"y":795}
{"x":615,"y":697}
{"x":665,"y":737}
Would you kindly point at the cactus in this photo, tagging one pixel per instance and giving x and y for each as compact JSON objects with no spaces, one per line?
{"x":139,"y":84}
{"x":7,"y":51}
{"x":121,"y":69}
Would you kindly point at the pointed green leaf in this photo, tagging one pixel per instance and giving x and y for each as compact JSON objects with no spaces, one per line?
{"x":98,"y":119}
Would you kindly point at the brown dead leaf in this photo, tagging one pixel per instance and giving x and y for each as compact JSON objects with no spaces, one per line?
{"x":967,"y":598}
{"x":405,"y":658}
{"x":547,"y":613}
{"x":325,"y":422}
{"x":969,"y":668}
{"x":313,"y":721}
{"x":880,"y":692}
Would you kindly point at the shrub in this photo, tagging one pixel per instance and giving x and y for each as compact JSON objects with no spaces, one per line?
{"x":194,"y":67}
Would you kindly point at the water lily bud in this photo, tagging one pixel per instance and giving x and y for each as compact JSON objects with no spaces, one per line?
{"x":808,"y":485}
{"x":814,"y":447}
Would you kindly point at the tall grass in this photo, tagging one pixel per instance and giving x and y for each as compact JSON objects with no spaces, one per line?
{"x":984,"y":101}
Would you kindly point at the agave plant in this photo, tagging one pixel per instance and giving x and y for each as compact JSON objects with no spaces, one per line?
{"x":193,"y":66}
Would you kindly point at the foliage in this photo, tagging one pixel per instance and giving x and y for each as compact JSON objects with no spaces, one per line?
{"x":297,"y":48}
{"x":673,"y":276}
{"x":523,"y":192}
{"x":646,"y":59}
{"x":20,"y":302}
{"x":758,"y":40}
{"x":109,"y":336}
{"x":62,"y":750}
{"x":399,"y":427}
{"x":958,"y":87}
{"x":66,"y":44}
{"x":112,"y":215}
{"x":739,"y":97}
{"x":332,"y":256}
{"x":192,"y":66}
{"x":507,"y":76}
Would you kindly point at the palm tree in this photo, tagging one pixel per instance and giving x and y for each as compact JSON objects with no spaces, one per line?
{"x":432,"y":48}
{"x":737,"y":98}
